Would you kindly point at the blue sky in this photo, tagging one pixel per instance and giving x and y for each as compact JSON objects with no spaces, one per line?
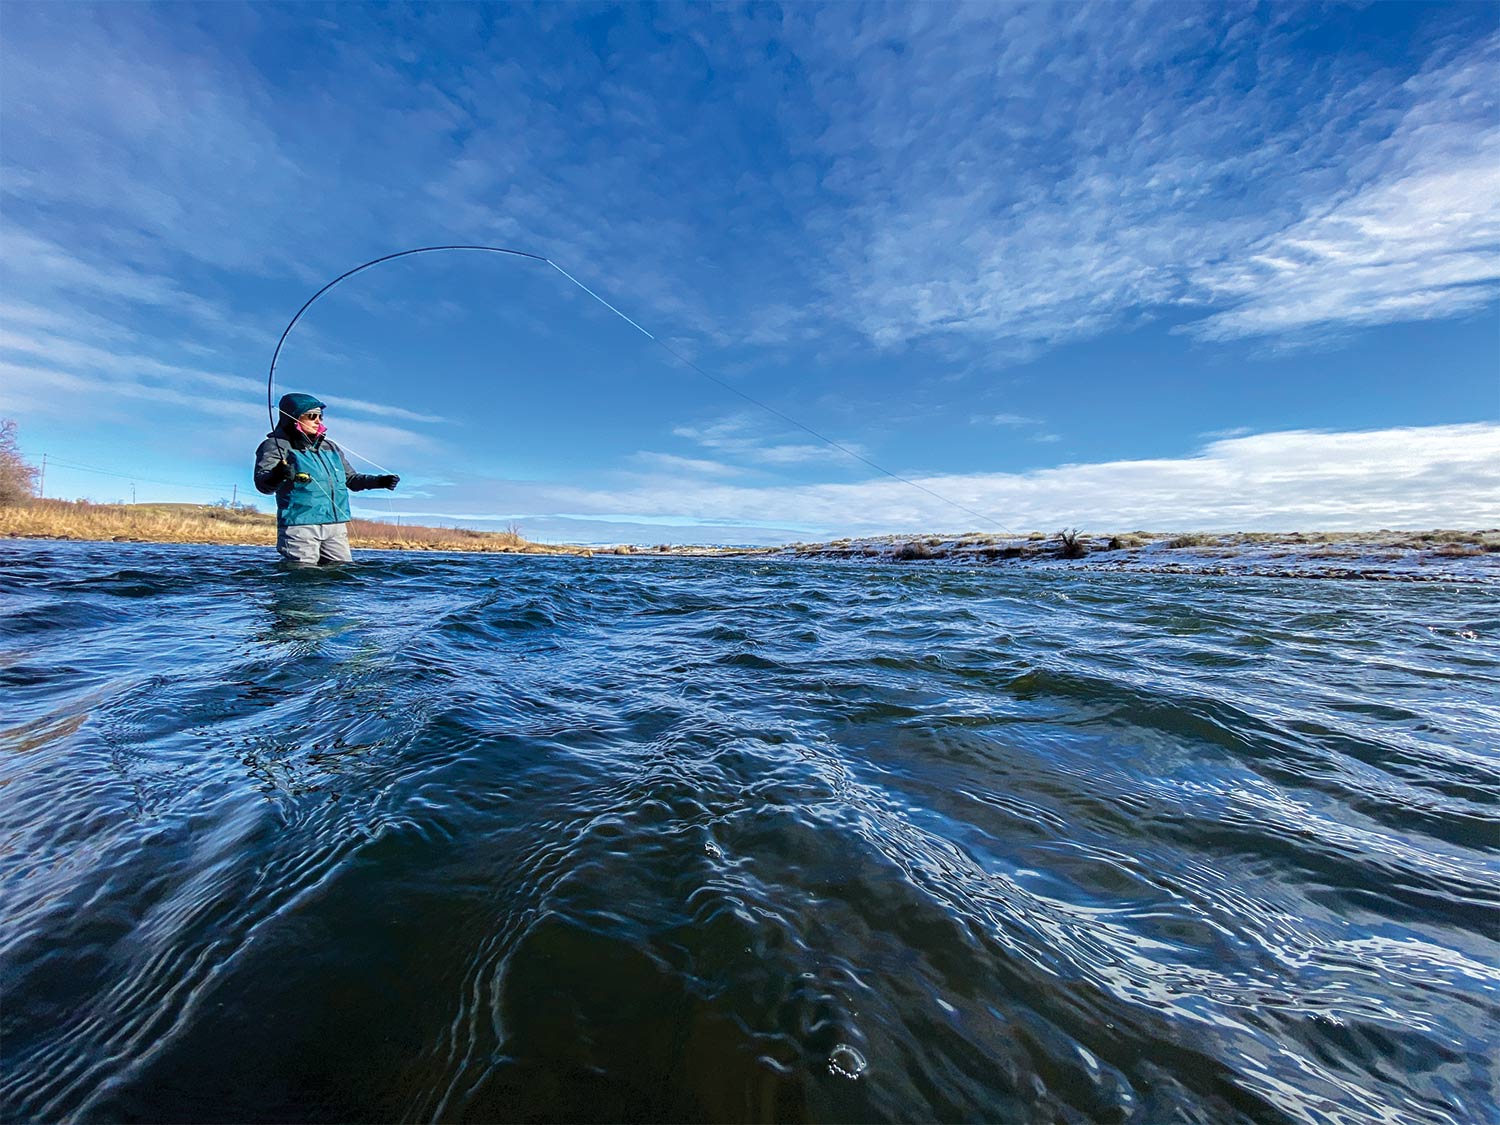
{"x":1113,"y":266}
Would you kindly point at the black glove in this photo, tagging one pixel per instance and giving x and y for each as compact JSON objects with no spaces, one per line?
{"x":390,"y":480}
{"x":278,"y":473}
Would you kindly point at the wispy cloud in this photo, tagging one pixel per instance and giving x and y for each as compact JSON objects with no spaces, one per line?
{"x":121,"y":364}
{"x":1017,"y":421}
{"x":89,"y":387}
{"x":691,"y":466}
{"x":341,"y":403}
{"x":748,"y":439}
{"x":38,"y":390}
{"x":150,"y":124}
{"x":1420,"y":240}
{"x":1016,"y":176}
{"x":1003,"y":420}
{"x":123,"y":370}
{"x":1098,"y":163}
{"x":42,"y":268}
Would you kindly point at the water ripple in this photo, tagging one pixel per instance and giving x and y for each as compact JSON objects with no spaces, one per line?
{"x":467,"y":838}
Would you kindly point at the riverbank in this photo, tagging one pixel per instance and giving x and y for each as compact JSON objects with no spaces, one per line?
{"x":1438,"y":555}
{"x":242,"y":525}
{"x":1412,"y":556}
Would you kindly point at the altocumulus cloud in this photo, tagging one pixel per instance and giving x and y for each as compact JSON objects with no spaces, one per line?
{"x":1084,"y":157}
{"x":1421,"y":239}
{"x":1018,"y":175}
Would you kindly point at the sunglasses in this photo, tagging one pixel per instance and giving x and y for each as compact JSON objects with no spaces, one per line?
{"x":310,"y":416}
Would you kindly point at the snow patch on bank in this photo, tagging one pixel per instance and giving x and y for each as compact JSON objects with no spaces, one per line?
{"x":1391,"y":556}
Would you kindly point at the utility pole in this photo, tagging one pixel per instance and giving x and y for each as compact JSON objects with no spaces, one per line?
{"x":234,"y":498}
{"x":132,"y":492}
{"x":41,"y":487}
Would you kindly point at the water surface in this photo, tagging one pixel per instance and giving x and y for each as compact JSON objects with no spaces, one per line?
{"x":478,"y":838}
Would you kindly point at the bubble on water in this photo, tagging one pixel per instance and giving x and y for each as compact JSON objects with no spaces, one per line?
{"x":714,"y":850}
{"x":846,"y":1062}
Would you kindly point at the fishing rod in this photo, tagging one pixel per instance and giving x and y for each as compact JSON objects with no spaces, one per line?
{"x":673,"y":352}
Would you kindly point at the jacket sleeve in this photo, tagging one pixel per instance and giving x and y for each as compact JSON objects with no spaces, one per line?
{"x":269,"y":475}
{"x":357,"y":482}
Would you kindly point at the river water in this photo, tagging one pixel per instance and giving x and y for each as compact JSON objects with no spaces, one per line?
{"x":501,"y":837}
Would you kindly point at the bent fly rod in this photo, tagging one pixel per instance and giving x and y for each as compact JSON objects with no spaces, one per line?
{"x":673,"y":352}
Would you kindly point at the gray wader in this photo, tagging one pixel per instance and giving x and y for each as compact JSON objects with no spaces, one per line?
{"x":308,"y":544}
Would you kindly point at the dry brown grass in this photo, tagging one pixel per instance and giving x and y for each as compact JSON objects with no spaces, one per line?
{"x":400,"y":537}
{"x":1460,"y":550}
{"x":1193,"y":539}
{"x":154,"y":523}
{"x":195,"y":523}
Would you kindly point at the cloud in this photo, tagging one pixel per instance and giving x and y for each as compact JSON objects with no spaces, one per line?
{"x":84,"y":368}
{"x":1406,"y":477}
{"x":1003,"y":420}
{"x":37,"y":390}
{"x":1026,"y":176}
{"x":1230,"y":432}
{"x":341,"y":404}
{"x":987,"y":176}
{"x":137,"y":133}
{"x":1420,"y":240}
{"x":73,"y":322}
{"x":671,"y":463}
{"x":365,"y":441}
{"x":84,"y":384}
{"x":744,"y":437}
{"x":39,"y":266}
{"x":123,"y":365}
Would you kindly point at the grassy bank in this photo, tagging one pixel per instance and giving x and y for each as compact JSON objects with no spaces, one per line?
{"x":1356,"y":554}
{"x":198,"y":523}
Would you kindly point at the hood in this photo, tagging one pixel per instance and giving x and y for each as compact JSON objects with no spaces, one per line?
{"x":289,"y":409}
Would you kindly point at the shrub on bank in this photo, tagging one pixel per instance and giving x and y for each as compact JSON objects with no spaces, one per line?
{"x":1072,"y":547}
{"x":18,"y":477}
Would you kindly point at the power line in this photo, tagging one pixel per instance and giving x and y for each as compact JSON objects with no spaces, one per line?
{"x":130,"y":476}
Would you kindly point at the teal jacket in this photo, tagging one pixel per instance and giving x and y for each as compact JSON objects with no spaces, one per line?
{"x":323,"y":497}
